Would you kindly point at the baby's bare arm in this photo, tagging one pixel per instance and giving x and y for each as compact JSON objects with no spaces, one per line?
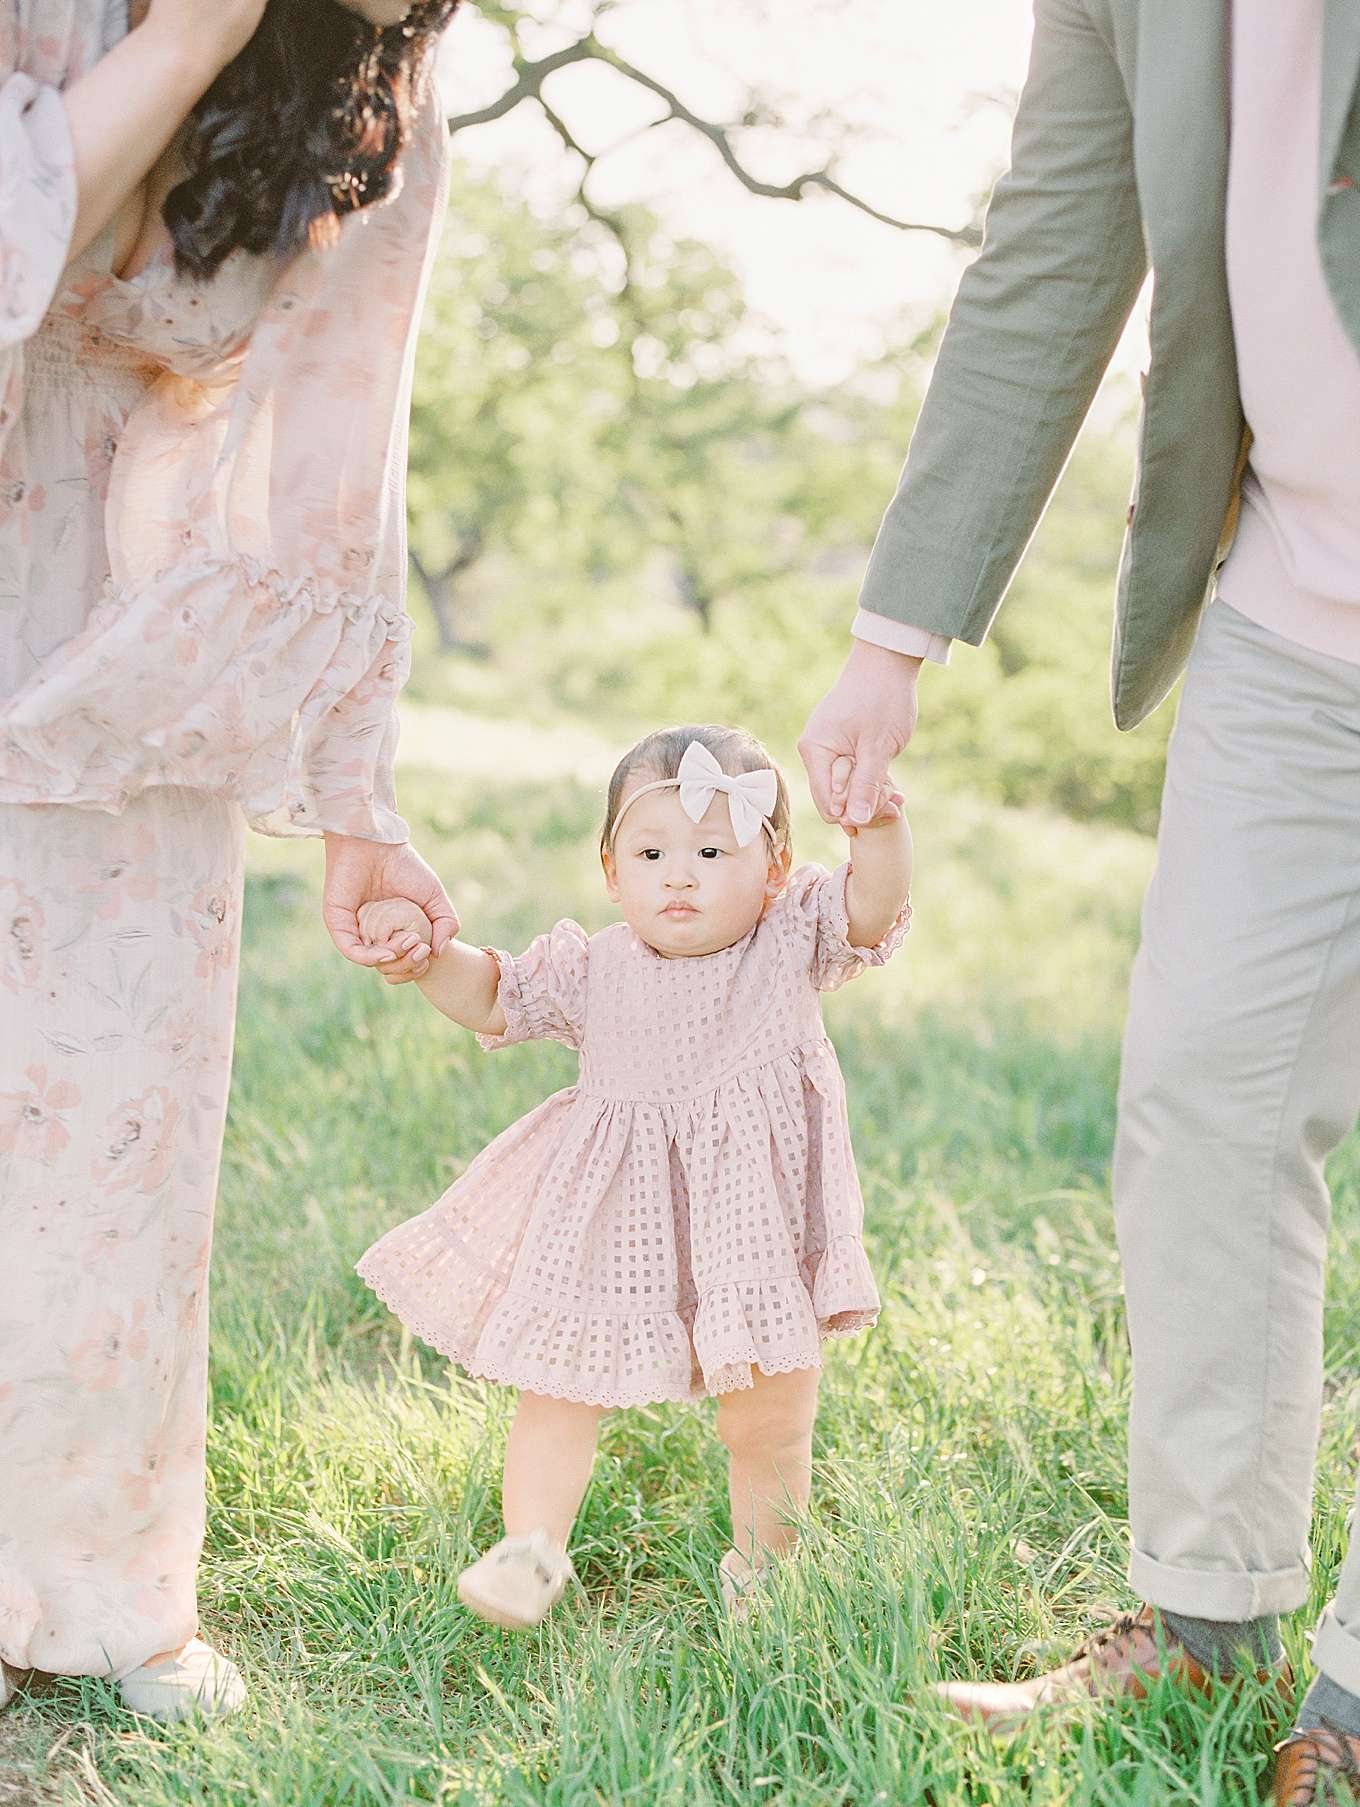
{"x":880,"y":877}
{"x":462,"y":983}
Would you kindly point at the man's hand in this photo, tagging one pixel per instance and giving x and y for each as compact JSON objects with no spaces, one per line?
{"x":861,"y":724}
{"x":360,"y":872}
{"x":890,"y":810}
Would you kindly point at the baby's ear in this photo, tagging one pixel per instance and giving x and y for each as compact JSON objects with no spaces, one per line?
{"x":778,"y":875}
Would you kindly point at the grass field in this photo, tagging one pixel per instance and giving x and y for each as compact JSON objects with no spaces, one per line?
{"x":969,"y":1509}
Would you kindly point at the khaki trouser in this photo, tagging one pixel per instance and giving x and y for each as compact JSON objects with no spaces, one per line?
{"x":1241,"y":1073}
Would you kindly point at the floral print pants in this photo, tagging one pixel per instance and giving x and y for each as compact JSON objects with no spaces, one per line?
{"x":118,"y":963}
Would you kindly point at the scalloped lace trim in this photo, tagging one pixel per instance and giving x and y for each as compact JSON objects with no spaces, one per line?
{"x":732,"y":1372}
{"x":838,"y":967}
{"x":526,"y":1018}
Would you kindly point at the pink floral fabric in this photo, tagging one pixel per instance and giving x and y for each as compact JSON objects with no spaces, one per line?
{"x":689,"y":1211}
{"x":201,"y":578}
{"x":226,"y":552}
{"x":118,"y":952}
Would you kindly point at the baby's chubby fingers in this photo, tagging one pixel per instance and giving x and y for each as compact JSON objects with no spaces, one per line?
{"x":382,"y":921}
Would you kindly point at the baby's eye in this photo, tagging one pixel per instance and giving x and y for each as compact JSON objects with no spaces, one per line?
{"x":647,"y":852}
{"x":705,"y":851}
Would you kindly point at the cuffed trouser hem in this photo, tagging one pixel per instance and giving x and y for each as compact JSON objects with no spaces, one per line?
{"x":1214,"y":1594}
{"x":1336,"y":1651}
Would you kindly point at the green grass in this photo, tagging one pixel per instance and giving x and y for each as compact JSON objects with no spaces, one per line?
{"x":968,"y":1513}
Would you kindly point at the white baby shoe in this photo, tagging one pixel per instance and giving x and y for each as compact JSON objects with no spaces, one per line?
{"x":518,"y":1581}
{"x":197,"y":1681}
{"x":7,"y":1686}
{"x":740,"y":1582}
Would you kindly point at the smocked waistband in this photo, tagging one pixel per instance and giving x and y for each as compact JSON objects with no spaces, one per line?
{"x":72,"y":353}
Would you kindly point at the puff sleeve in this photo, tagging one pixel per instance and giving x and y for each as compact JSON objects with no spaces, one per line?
{"x":813,"y":910}
{"x":543,"y":990}
{"x":253,"y":635}
{"x":37,"y":211}
{"x":37,"y":200}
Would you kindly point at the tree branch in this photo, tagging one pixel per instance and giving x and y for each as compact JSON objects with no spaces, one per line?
{"x":530,"y":77}
{"x":529,"y":83}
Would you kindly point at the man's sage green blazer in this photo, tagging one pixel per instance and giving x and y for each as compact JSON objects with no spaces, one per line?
{"x":1119,"y":164}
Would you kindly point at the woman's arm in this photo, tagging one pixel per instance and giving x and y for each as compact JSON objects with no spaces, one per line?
{"x":880,"y":878}
{"x":125,"y":111}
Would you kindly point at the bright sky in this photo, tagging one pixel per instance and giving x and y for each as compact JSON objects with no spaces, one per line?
{"x":911,"y":86}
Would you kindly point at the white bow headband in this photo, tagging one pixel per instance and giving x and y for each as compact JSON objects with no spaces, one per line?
{"x":751,"y":796}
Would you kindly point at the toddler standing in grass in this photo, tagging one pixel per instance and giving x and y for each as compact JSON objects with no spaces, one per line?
{"x":685,"y":1220}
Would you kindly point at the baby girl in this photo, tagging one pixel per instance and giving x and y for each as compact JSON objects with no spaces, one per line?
{"x":685,"y":1219}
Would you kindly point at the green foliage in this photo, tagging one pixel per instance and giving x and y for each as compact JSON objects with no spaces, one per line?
{"x":518,"y":388}
{"x":638,"y":513}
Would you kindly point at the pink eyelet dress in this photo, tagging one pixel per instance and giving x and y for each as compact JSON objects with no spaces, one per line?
{"x":688,"y":1211}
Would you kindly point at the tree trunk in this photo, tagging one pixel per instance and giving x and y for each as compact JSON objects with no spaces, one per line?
{"x":440,"y":588}
{"x":693,"y":593}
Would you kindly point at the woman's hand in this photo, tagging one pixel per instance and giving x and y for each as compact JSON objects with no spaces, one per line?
{"x":359,"y":872}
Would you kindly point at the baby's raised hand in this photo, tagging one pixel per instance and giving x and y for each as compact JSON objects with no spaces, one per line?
{"x":404,"y":930}
{"x":888,"y":800}
{"x":887,"y":808}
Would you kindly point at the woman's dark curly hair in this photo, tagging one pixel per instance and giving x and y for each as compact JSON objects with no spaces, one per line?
{"x":307,"y":124}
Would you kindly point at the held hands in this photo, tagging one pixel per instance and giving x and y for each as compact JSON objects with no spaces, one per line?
{"x":889,"y":805}
{"x":861,"y":724}
{"x":403,"y":932}
{"x":360,"y":872}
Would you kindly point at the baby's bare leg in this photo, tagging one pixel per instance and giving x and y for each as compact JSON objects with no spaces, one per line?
{"x":548,"y":1460}
{"x":767,"y":1430}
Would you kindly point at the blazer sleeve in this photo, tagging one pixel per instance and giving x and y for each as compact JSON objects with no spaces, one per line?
{"x":1035,"y":322}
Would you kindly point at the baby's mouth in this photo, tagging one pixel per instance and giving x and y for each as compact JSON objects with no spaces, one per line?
{"x":679,"y":909}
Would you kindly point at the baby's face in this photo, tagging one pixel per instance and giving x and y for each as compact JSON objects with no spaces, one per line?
{"x":686,"y":887}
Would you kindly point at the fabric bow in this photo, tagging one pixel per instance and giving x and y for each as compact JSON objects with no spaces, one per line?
{"x":750,"y":796}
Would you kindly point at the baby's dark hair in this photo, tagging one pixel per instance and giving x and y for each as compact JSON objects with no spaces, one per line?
{"x":658,"y":755}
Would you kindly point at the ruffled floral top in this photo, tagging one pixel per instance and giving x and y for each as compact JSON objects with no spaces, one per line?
{"x":689,"y":1210}
{"x":202,"y":534}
